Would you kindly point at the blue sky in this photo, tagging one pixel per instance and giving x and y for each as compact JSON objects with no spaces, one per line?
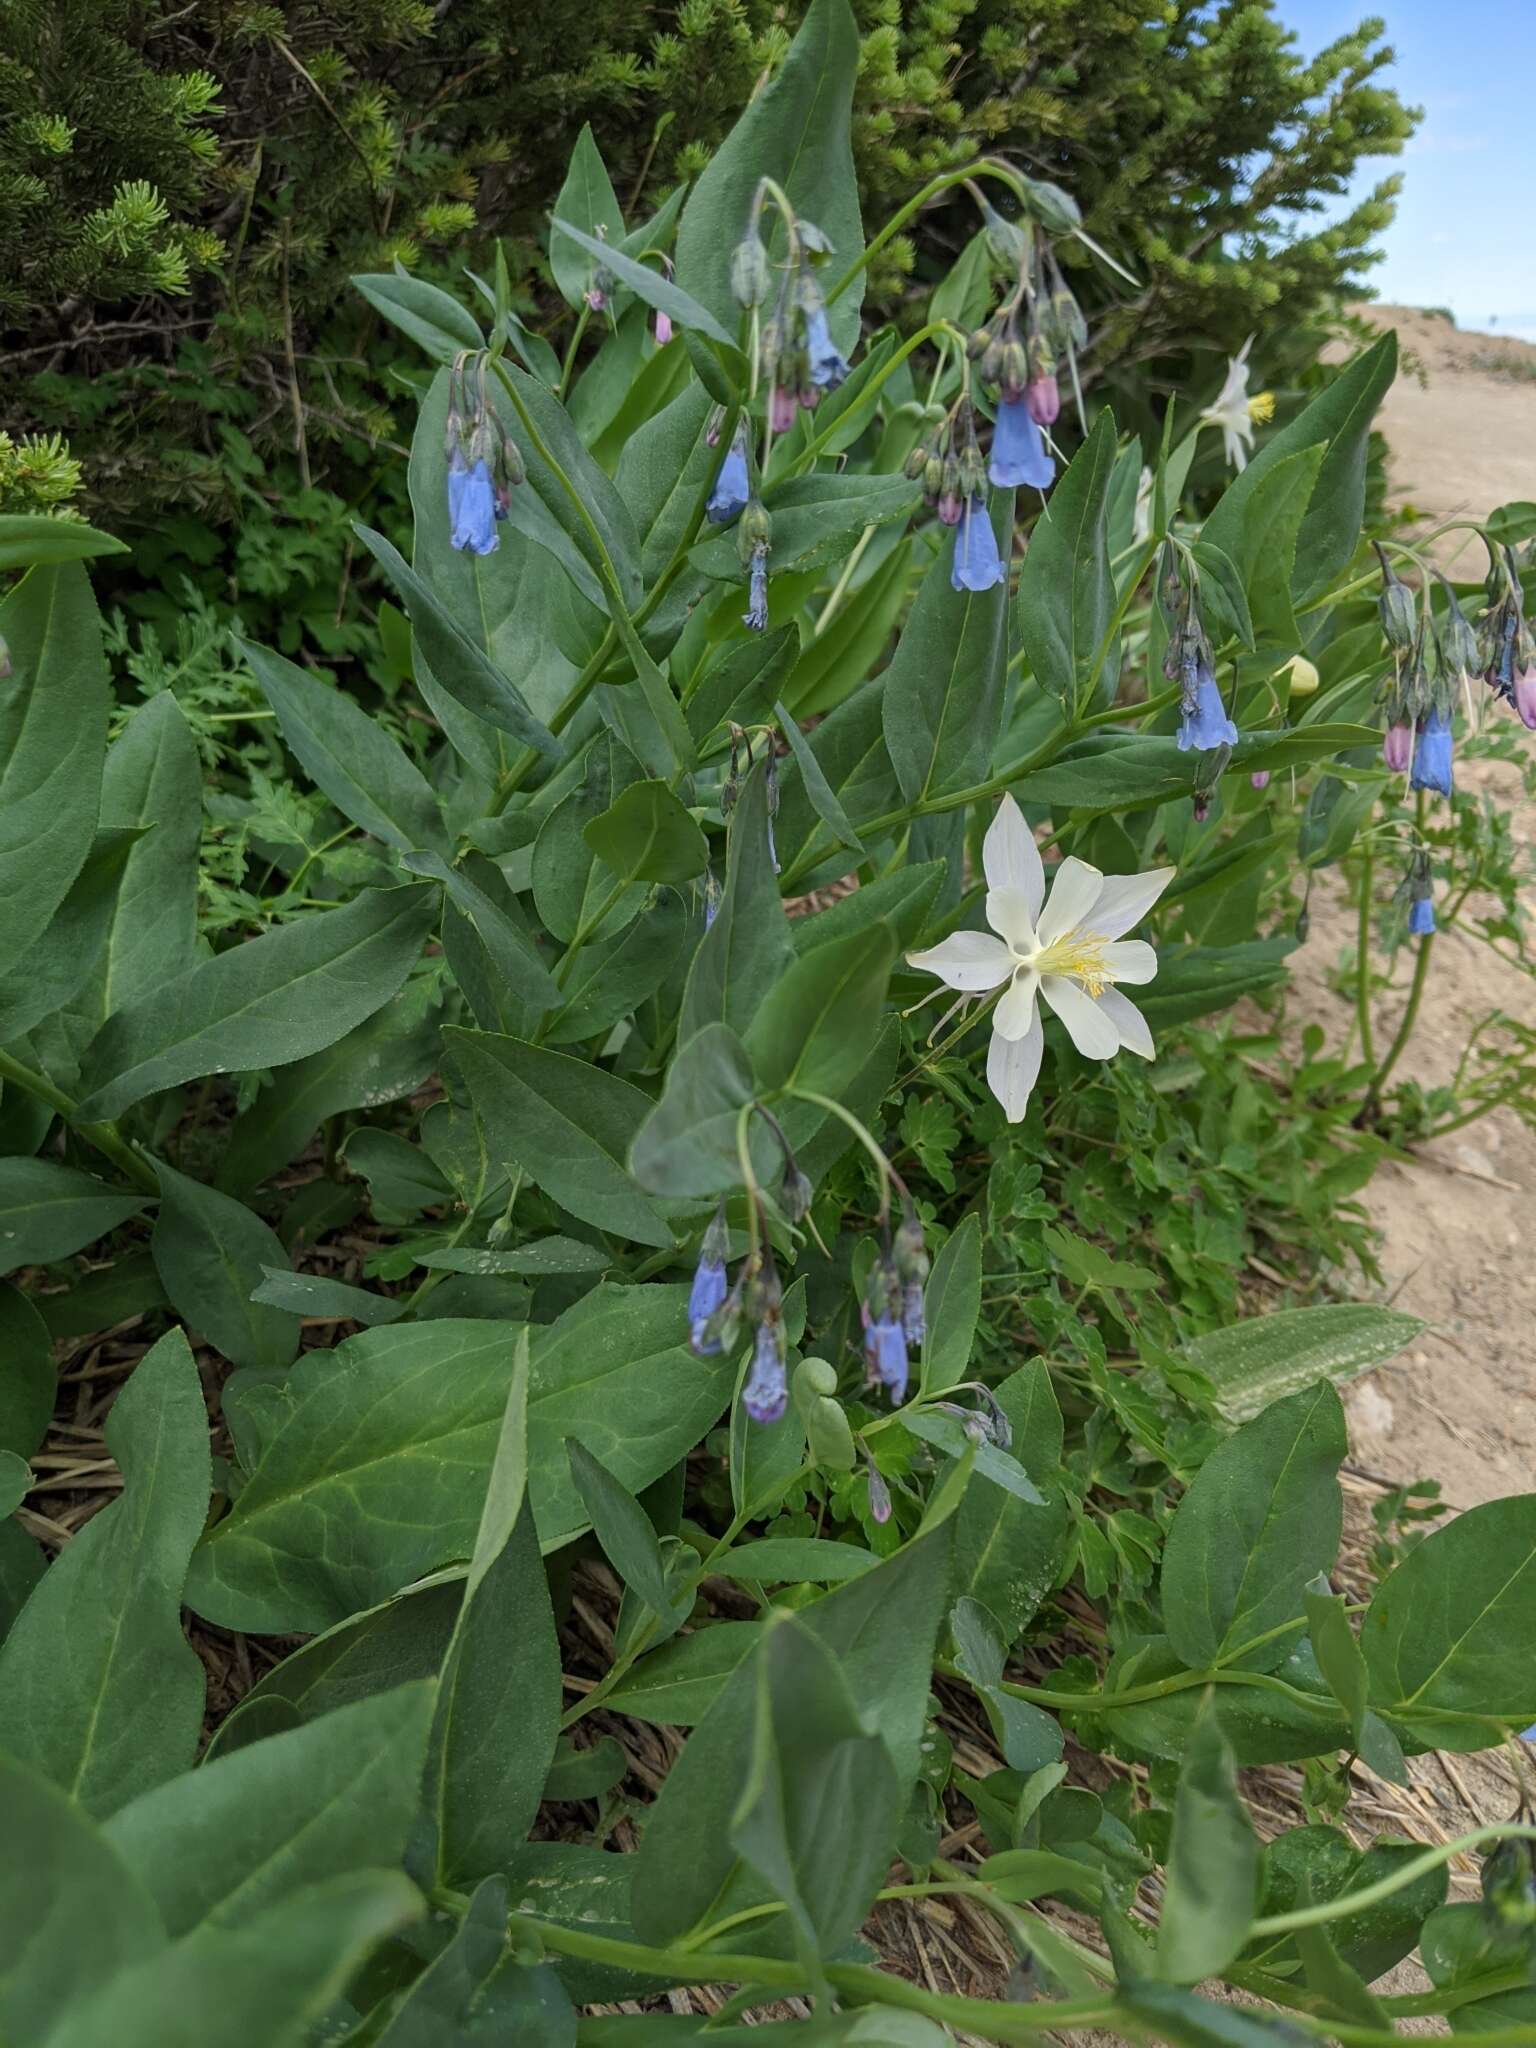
{"x":1465,"y":233}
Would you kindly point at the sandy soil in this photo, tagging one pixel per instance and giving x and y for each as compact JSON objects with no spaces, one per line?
{"x":1460,"y":423}
{"x":1455,"y":1221}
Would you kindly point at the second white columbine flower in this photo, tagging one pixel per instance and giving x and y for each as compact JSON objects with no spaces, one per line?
{"x":1069,"y":952}
{"x":1235,"y":412}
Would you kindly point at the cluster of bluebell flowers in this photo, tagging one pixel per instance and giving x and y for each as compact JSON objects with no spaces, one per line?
{"x":892,"y":1311}
{"x":1506,"y":648}
{"x":797,"y":357}
{"x":484,"y":462}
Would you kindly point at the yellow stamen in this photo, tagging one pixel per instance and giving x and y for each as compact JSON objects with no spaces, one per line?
{"x":1081,"y":955}
{"x":1262,"y":406}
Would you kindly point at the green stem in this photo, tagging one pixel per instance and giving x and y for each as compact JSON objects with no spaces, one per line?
{"x":903,"y":214}
{"x":858,"y":1984}
{"x":107,"y":1138}
{"x":1405,"y":1029}
{"x":1363,"y":960}
{"x":570,"y":354}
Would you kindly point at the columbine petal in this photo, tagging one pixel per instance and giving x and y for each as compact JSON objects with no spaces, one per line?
{"x":1014,"y":1016}
{"x":1130,"y":960}
{"x":966,"y":960}
{"x":1011,"y":858}
{"x":1074,"y":892}
{"x":1010,"y":912}
{"x":1135,"y":1032}
{"x":1095,"y":1035}
{"x":1012,"y":1067}
{"x":1125,"y":900}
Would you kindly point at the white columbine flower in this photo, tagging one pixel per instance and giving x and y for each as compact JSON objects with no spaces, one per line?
{"x":1070,"y":952}
{"x":1235,"y":412}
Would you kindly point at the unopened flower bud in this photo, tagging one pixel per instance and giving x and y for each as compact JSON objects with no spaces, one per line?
{"x":1397,"y":747}
{"x":663,"y":329}
{"x":978,"y":342}
{"x":751,"y":275}
{"x":813,"y":241}
{"x":1304,"y":678}
{"x":1067,"y":318}
{"x":916,"y":462}
{"x":755,"y":529}
{"x":1053,"y":208}
{"x":1005,"y":238}
{"x":781,"y":409}
{"x":1397,"y":606}
{"x":1043,"y":397}
{"x":795,"y":1193}
{"x":1013,"y":373}
{"x":1260,"y":778}
{"x":933,"y":476}
{"x":1523,"y":693}
{"x":879,"y":1496}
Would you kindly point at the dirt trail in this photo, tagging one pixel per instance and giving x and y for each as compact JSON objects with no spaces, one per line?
{"x":1455,"y":1222}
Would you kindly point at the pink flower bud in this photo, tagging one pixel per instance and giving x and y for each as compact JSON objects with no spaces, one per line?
{"x":1260,"y":778}
{"x":663,"y":330}
{"x":950,"y":508}
{"x":781,"y":410}
{"x":1397,"y":748}
{"x":1043,"y":398}
{"x":1525,"y":696}
{"x":596,"y":298}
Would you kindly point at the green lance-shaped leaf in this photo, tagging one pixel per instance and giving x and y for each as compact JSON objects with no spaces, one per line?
{"x":211,"y":1253}
{"x":952,"y":1304}
{"x":568,"y":1124}
{"x":817,"y":520}
{"x":53,"y":736}
{"x":674,"y":1686}
{"x":1008,"y":1551}
{"x":1221,"y":589}
{"x":881,"y":1627}
{"x":387,"y":1056}
{"x":611,"y":978}
{"x":60,"y":1881}
{"x":1338,"y":1654}
{"x":1190,"y":2021}
{"x":943,"y":692}
{"x":798,"y":131}
{"x":576,"y":496}
{"x":367,"y":775}
{"x":152,"y":784}
{"x":482,"y":1790}
{"x":375,"y":1469}
{"x":1261,"y":1519}
{"x":431,"y":318}
{"x":34,"y":538}
{"x":1066,"y":591}
{"x":1213,"y":1863}
{"x":647,"y":835}
{"x":820,"y":1020}
{"x":622,"y":1527}
{"x":747,"y":947}
{"x":48,"y":1211}
{"x":121,"y":1711}
{"x":1450,"y":1629}
{"x":476,"y":1990}
{"x":820,"y":793}
{"x":459,"y":664}
{"x":1257,"y":1361}
{"x":30,"y":1378}
{"x":818,"y":1812}
{"x":270,"y":1000}
{"x":1028,"y":1737}
{"x":240,"y":1834}
{"x":262,"y":1985}
{"x":1329,"y":531}
{"x":650,"y":285}
{"x":70,"y":951}
{"x":586,"y":202}
{"x":361,"y":1658}
{"x":313,"y":1294}
{"x":509,"y":949}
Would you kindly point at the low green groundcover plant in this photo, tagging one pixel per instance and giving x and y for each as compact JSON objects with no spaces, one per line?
{"x":849,"y":1330}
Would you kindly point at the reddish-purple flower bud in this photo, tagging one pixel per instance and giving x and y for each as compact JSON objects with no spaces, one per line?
{"x":663,"y":329}
{"x":596,"y":298}
{"x":1397,"y":747}
{"x":879,"y":1496}
{"x":951,"y":508}
{"x":1043,"y":397}
{"x":1524,"y":696}
{"x":781,"y":410}
{"x":1260,"y":778}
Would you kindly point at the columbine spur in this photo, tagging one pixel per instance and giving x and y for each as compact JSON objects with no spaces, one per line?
{"x":1069,"y":952}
